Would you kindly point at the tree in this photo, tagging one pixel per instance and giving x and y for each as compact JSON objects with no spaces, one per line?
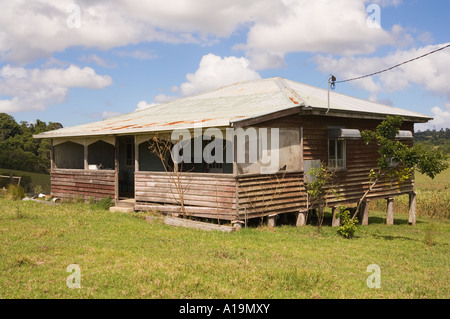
{"x":319,"y":188}
{"x":405,"y":158}
{"x":8,"y":126}
{"x":19,"y":150}
{"x":162,"y":148}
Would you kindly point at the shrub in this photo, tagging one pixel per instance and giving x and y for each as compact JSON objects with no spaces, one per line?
{"x":15,"y":192}
{"x":104,"y":203}
{"x":348,"y":225}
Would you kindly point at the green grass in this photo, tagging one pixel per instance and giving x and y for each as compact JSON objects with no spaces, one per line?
{"x":441,"y":181}
{"x":123,"y":256}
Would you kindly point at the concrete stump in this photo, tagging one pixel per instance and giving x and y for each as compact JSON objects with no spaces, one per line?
{"x":336,"y":221}
{"x":237,"y":225}
{"x":301,"y":219}
{"x":412,"y":208}
{"x":364,"y":212}
{"x":271,"y":220}
{"x":390,"y":211}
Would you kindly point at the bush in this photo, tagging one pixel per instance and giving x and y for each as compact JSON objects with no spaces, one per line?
{"x":104,"y":203}
{"x":15,"y":192}
{"x":348,"y":225}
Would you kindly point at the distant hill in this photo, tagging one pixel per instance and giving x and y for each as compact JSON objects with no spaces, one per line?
{"x":433,"y":138}
{"x":19,"y":150}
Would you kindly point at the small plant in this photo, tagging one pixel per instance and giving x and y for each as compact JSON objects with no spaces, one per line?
{"x":319,"y":189}
{"x":429,"y":235}
{"x":38,"y":189}
{"x":104,"y":203}
{"x":348,"y":225}
{"x":19,"y":214}
{"x":15,"y":192}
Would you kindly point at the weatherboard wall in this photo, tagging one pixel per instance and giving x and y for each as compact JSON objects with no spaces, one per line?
{"x":353,"y":181}
{"x":86,"y":184}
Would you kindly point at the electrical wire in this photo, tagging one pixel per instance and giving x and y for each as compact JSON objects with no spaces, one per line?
{"x":392,"y":67}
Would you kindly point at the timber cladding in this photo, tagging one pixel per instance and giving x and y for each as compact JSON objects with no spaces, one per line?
{"x":204,"y":194}
{"x":72,"y":183}
{"x":262,"y":195}
{"x":350,"y":183}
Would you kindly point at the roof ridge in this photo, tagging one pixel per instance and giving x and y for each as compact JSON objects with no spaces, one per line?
{"x":288,"y":91}
{"x":353,"y":97}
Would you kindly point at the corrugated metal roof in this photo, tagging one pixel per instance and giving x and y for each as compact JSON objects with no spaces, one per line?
{"x":220,"y":107}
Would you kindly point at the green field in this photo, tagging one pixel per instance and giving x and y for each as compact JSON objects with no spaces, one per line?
{"x":37,"y":179}
{"x":123,"y":256}
{"x":433,"y":197}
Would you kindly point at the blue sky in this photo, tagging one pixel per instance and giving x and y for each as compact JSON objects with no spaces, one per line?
{"x":75,"y":62}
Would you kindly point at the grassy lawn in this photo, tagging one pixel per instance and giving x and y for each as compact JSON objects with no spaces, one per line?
{"x":123,"y":256}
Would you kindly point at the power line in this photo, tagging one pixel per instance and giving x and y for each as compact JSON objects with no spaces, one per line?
{"x":392,"y":67}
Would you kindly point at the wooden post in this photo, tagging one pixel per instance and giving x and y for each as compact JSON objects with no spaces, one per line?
{"x":116,"y":170}
{"x":412,"y":208}
{"x":271,"y":220}
{"x":336,"y":221}
{"x":301,"y":219}
{"x":136,"y":154}
{"x":52,"y":156}
{"x":364,"y":212}
{"x":390,"y":211}
{"x":86,"y":163}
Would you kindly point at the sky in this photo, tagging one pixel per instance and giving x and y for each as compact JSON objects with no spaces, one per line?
{"x":81,"y":61}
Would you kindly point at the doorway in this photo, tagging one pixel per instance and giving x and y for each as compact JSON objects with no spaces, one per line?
{"x":126,"y":166}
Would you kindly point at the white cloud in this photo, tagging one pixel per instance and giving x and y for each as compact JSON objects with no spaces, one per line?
{"x":214,"y":72}
{"x":34,"y":89}
{"x":143,"y":105}
{"x":386,"y":3}
{"x":430,"y":72}
{"x":336,"y":27}
{"x":37,"y":29}
{"x":157,"y":100}
{"x":441,"y":119}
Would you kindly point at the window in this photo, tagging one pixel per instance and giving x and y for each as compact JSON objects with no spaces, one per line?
{"x":69,"y":155}
{"x":336,"y":154}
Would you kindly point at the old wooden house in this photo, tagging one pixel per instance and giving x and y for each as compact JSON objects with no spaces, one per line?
{"x":112,"y":157}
